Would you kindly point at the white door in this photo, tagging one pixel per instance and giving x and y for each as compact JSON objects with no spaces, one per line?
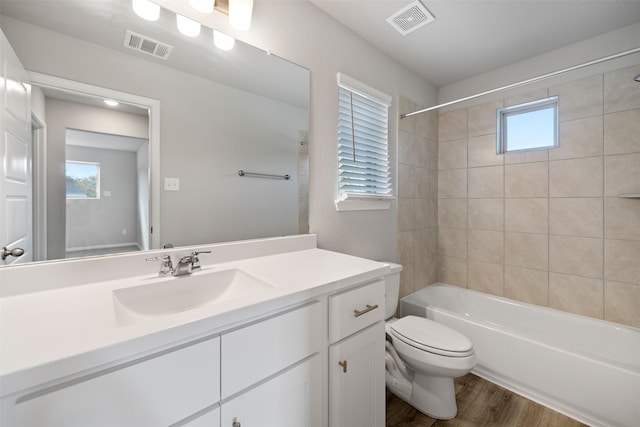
{"x":356,"y":379}
{"x":15,"y":152}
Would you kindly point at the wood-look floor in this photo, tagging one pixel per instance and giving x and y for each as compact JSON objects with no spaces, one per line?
{"x":480,"y":403}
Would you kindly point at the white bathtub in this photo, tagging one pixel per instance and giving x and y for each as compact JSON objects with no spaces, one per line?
{"x":585,"y":368}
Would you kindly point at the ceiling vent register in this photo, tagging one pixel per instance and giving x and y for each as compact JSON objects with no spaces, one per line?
{"x":410,"y":18}
{"x":147,"y":45}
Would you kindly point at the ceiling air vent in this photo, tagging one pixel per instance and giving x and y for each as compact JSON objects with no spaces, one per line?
{"x":410,"y":18}
{"x":147,"y":45}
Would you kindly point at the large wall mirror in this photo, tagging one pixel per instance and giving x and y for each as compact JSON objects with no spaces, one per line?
{"x":161,"y":168}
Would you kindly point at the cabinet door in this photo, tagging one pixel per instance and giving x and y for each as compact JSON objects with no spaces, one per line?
{"x":356,"y":379}
{"x":290,"y":399}
{"x":158,"y":391}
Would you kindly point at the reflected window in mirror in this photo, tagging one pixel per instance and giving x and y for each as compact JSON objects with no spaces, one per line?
{"x":82,"y":180}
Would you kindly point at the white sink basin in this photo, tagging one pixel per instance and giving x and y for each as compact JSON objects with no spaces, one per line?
{"x":164,"y":296}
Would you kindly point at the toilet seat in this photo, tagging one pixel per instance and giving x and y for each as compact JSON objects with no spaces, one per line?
{"x":430,"y":336}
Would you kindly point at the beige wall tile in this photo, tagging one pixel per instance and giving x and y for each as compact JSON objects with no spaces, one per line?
{"x":452,"y":242}
{"x":621,"y":261}
{"x":580,"y":256}
{"x":406,"y":181}
{"x":426,"y":183}
{"x":576,"y":294}
{"x":406,"y":247}
{"x":452,"y":183}
{"x":452,"y":213}
{"x":407,"y":282}
{"x":621,"y":92}
{"x":526,"y":285}
{"x":576,"y":177}
{"x":527,"y":180}
{"x":426,"y":244}
{"x":426,"y":213}
{"x":622,"y":174}
{"x":621,"y":132}
{"x":621,"y":302}
{"x":482,"y":151}
{"x":452,"y":271}
{"x":526,"y":97}
{"x":486,"y":214}
{"x":527,"y":250}
{"x":576,"y":216}
{"x":483,"y":118}
{"x":406,"y":148}
{"x":406,"y":214}
{"x":426,"y":272}
{"x":579,"y":138}
{"x":530,"y":215}
{"x":485,"y":277}
{"x":452,"y":154}
{"x":452,"y":125}
{"x":405,"y":106}
{"x":486,"y":245}
{"x":526,"y":157}
{"x":486,"y":182}
{"x":580,"y":98}
{"x":622,"y":219}
{"x":426,"y":153}
{"x":427,"y":125}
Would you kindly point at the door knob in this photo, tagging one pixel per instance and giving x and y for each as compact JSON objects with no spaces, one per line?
{"x":16,"y":252}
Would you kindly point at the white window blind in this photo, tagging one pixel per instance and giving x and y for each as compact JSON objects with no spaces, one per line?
{"x":363,"y":143}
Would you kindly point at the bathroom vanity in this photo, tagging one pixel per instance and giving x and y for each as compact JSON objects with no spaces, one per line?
{"x":271,"y":332}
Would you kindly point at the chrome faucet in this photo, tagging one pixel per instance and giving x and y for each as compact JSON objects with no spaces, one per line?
{"x":186,"y":264}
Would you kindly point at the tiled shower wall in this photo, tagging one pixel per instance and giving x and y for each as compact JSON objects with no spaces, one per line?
{"x":546,"y":227}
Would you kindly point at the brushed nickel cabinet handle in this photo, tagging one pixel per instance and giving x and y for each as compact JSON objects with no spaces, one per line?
{"x":358,"y":313}
{"x":344,"y":366}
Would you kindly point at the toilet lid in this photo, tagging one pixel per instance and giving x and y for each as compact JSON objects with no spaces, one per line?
{"x":431,"y":336}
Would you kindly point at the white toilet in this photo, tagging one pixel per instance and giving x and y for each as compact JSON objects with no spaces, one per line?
{"x":423,"y":357}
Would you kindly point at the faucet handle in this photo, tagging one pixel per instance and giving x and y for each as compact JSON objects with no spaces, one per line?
{"x":195,"y":261}
{"x":166,"y":268}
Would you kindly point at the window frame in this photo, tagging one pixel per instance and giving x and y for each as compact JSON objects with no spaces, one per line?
{"x":354,"y":200}
{"x":98,"y":179}
{"x":527,"y":107}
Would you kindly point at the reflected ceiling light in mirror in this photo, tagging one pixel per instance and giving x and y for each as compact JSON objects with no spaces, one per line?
{"x":111,"y":102}
{"x":223,"y":41}
{"x":204,"y":6}
{"x":186,"y":26}
{"x":240,"y":14}
{"x":146,"y":10}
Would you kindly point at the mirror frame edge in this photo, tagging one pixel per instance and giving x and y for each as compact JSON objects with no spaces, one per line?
{"x":153,"y":105}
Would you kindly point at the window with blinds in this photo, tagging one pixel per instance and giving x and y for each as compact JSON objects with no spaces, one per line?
{"x":364,"y":173}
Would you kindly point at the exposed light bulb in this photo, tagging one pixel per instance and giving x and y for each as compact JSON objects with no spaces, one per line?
{"x":204,"y":6}
{"x":111,"y":102}
{"x":186,"y":26}
{"x":240,"y":14}
{"x":223,"y":41}
{"x":146,"y":10}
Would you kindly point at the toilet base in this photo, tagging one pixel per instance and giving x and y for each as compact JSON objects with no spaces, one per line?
{"x":434,"y":396}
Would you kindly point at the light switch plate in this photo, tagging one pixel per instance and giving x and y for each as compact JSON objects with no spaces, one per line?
{"x":171,"y":184}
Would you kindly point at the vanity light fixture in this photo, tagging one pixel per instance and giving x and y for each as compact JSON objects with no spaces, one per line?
{"x":204,"y":6}
{"x":223,"y":41}
{"x":111,"y":102}
{"x":186,"y":26}
{"x":240,"y":14}
{"x":146,"y":10}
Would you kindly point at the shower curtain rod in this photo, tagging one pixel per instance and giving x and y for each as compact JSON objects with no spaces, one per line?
{"x":524,"y":82}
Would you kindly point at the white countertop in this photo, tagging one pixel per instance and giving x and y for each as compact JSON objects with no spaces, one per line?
{"x":54,"y":333}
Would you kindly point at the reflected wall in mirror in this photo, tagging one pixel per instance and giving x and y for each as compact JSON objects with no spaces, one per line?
{"x":219,"y":112}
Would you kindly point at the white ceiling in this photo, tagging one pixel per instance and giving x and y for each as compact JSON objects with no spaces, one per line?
{"x":472,"y":37}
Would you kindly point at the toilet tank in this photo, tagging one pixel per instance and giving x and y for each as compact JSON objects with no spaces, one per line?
{"x":392,"y":289}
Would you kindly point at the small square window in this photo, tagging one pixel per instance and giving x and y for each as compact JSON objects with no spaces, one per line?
{"x":83,"y":180}
{"x":530,"y":126}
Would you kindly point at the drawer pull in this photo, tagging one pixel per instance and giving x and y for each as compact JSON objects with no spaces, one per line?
{"x":358,"y":313}
{"x":344,"y":366}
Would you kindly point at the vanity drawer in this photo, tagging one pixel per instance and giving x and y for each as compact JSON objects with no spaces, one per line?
{"x":355,"y":309}
{"x":159,"y":390}
{"x":255,"y":352}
